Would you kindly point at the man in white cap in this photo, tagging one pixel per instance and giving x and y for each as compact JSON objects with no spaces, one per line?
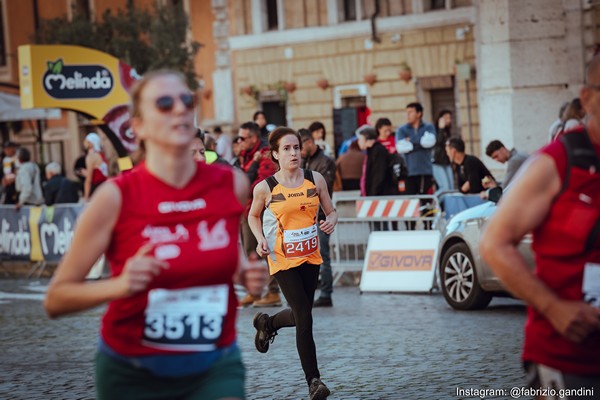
{"x":95,"y":165}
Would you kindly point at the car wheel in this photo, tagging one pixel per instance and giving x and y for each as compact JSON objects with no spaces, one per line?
{"x":459,"y":280}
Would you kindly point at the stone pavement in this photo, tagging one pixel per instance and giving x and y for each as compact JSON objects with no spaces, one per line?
{"x":369,"y":346}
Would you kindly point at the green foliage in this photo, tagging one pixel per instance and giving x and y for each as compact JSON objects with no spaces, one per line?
{"x":143,"y":39}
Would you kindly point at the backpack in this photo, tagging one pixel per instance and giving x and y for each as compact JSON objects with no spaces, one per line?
{"x":580,"y":154}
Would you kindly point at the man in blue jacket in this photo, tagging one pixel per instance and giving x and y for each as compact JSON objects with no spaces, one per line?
{"x":418,"y":161}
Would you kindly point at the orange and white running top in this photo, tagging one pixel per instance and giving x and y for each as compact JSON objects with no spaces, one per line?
{"x":290,"y":224}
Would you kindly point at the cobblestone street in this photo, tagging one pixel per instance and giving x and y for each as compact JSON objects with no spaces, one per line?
{"x":370,"y":346}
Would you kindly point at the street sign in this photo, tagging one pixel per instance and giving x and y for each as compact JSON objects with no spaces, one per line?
{"x":463,"y":71}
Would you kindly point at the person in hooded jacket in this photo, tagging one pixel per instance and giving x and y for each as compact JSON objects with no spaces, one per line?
{"x":377,"y":178}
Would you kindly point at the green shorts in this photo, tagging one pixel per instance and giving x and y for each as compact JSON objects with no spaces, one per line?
{"x":116,"y":380}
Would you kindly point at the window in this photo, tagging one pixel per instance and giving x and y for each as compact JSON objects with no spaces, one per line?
{"x":349,"y":10}
{"x":387,"y":8}
{"x":82,"y":8}
{"x":438,"y":4}
{"x":2,"y":37}
{"x":352,"y":10}
{"x":462,"y":3}
{"x":275,"y":112}
{"x":272,"y":17}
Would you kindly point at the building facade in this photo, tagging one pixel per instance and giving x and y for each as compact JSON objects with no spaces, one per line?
{"x":61,"y":139}
{"x":503,"y":66}
{"x":327,"y":60}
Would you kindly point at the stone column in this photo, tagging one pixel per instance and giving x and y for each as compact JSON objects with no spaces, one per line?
{"x":222,"y":76}
{"x":530,"y":59}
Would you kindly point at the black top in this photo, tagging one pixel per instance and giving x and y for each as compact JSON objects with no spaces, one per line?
{"x":60,"y":190}
{"x":472,"y":170}
{"x":324,"y":165}
{"x":378,"y":180}
{"x":439,"y":151}
{"x":264,"y":135}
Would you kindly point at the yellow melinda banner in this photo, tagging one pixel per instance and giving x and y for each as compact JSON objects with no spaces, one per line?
{"x":74,"y":78}
{"x":80,"y":79}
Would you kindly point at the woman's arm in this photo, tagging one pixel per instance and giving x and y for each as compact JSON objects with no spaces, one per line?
{"x":261,"y":191}
{"x":241,"y":186}
{"x":328,"y":225}
{"x":68,"y":291}
{"x":252,"y":275}
{"x":87,"y":184}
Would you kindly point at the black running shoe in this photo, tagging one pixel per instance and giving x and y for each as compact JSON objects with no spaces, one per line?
{"x":323,"y":302}
{"x":263,"y":336}
{"x":317,"y":390}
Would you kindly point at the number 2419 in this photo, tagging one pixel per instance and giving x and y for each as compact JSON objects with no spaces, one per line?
{"x":299,"y":247}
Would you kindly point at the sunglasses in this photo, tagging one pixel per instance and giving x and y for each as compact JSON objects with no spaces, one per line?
{"x":166,"y":103}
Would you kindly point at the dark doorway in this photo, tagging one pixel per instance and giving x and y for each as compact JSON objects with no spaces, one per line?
{"x":442,"y":99}
{"x":275,"y":112}
{"x":348,"y":119}
{"x":272,"y":17}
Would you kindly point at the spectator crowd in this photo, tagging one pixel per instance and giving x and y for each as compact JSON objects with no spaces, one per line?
{"x":416,"y":158}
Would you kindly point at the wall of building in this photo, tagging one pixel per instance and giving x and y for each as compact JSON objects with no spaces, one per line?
{"x":531,"y":59}
{"x":202,"y":20}
{"x":429,"y":52}
{"x":18,"y":33}
{"x":20,"y":29}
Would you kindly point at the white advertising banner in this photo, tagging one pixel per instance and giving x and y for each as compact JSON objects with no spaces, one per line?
{"x":403,"y":261}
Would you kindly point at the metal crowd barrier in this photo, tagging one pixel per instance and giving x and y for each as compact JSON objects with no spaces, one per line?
{"x":359,"y":216}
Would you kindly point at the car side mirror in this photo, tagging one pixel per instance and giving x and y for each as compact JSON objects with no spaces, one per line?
{"x":494,"y":194}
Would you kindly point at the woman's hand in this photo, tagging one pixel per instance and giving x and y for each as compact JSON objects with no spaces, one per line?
{"x":488,"y":182}
{"x":262,"y":248}
{"x":441,"y":122}
{"x":254,"y":276}
{"x":327,"y":226}
{"x":140,"y":270}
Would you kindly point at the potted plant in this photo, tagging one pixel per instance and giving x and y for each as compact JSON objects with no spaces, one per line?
{"x":370,"y":79}
{"x":289,"y":87}
{"x":405,"y":72}
{"x":323,"y":83}
{"x":250,"y":91}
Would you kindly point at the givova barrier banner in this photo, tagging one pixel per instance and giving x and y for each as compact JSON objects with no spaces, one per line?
{"x":37,"y":233}
{"x":401,"y":261}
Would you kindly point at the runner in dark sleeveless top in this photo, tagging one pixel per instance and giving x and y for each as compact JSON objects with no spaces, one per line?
{"x":289,"y":238}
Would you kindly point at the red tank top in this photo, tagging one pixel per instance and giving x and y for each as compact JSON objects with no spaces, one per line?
{"x":100,"y":173}
{"x":192,"y":305}
{"x":563,"y":245}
